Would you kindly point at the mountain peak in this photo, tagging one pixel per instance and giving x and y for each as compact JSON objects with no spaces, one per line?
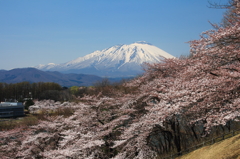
{"x":116,"y":61}
{"x":142,"y":42}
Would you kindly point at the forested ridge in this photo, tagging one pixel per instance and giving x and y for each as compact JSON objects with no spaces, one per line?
{"x":175,"y":104}
{"x":19,"y":91}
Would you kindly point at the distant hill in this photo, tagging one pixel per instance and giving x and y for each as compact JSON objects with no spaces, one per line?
{"x":34,"y":75}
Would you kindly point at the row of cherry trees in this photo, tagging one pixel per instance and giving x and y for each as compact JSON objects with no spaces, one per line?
{"x":193,"y":95}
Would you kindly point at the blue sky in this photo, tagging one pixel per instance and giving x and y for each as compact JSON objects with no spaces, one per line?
{"x":36,"y":32}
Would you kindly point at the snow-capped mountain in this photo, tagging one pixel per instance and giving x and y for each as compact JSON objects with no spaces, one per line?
{"x":116,"y":61}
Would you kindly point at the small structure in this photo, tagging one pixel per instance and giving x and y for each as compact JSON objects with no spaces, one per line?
{"x":11,"y":109}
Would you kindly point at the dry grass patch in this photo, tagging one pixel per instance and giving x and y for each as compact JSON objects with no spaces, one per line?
{"x":28,"y":120}
{"x":226,"y":149}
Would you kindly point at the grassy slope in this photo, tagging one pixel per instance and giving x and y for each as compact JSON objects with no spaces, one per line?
{"x":226,"y":149}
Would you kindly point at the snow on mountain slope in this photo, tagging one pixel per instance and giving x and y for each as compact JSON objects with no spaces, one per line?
{"x":119,"y":60}
{"x":46,"y":67}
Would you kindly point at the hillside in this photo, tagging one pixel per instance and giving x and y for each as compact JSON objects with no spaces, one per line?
{"x":226,"y":149}
{"x":33,"y":75}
